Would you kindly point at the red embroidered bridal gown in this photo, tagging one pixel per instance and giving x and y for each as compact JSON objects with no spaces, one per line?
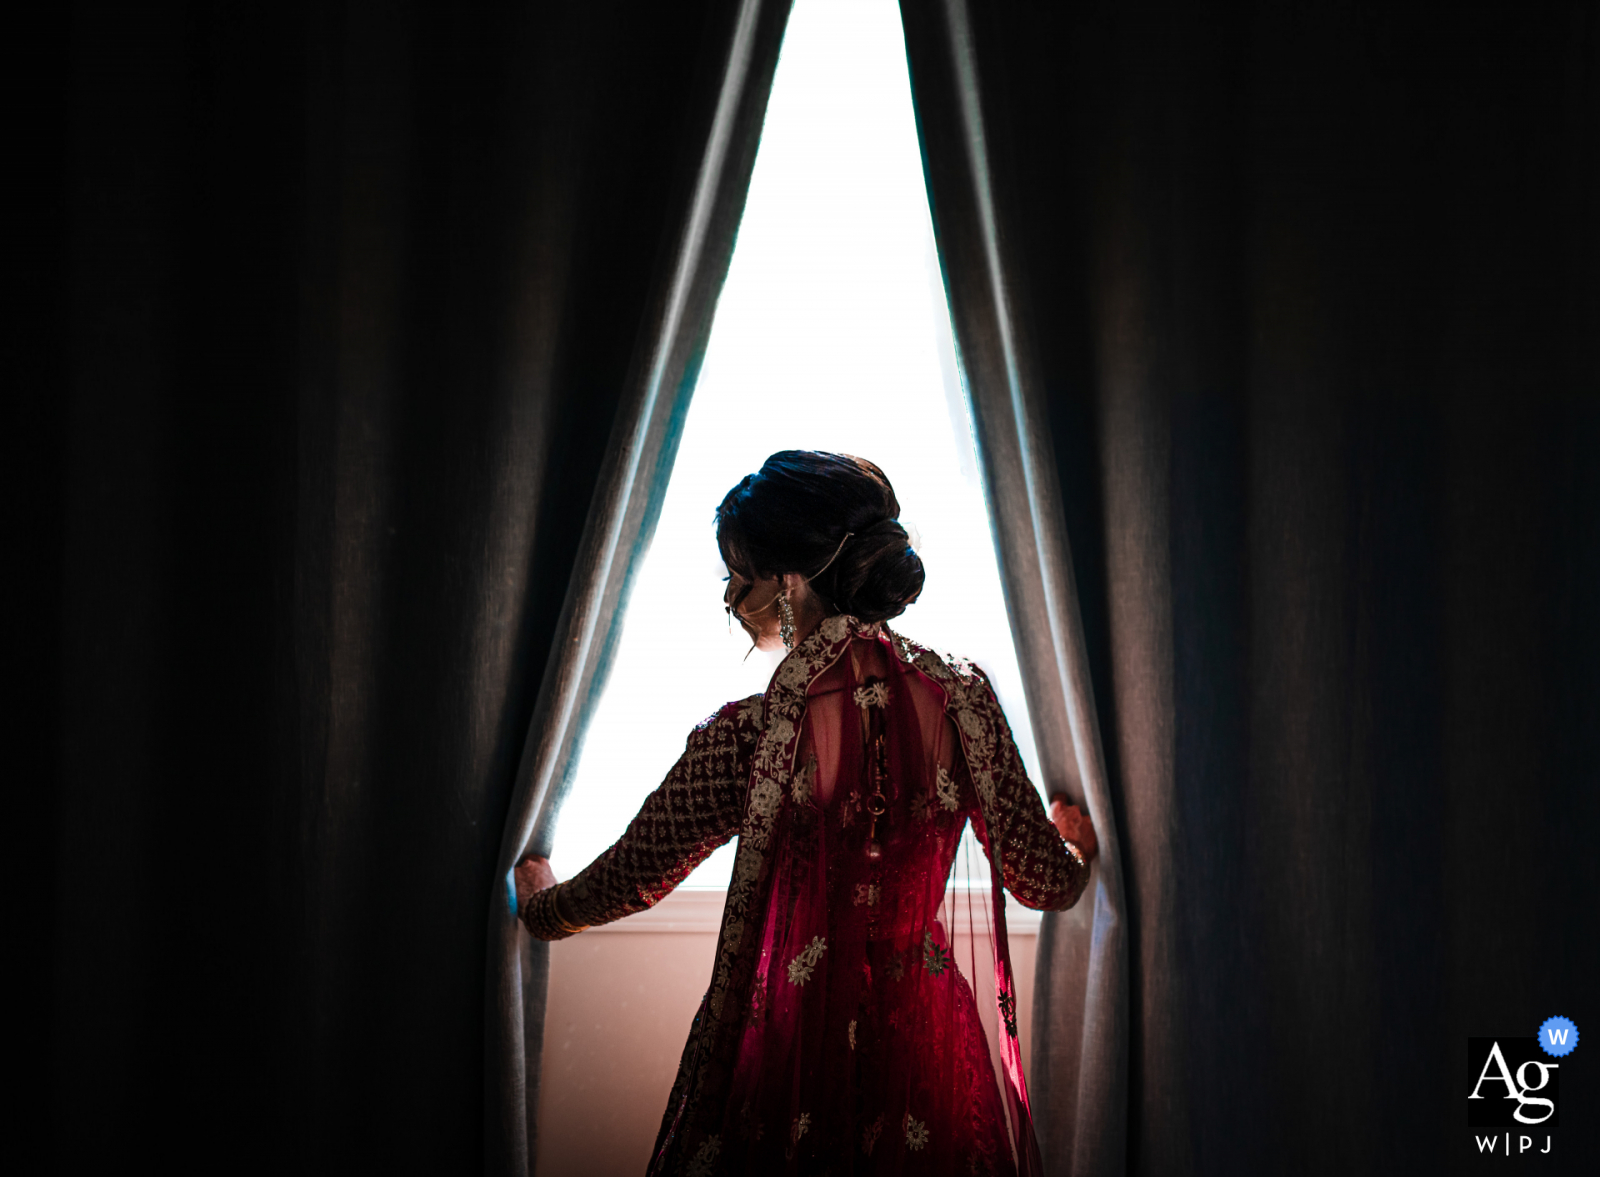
{"x":838,"y":1035}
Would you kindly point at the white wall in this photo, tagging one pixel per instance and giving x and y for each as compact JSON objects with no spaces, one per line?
{"x":621,"y":1000}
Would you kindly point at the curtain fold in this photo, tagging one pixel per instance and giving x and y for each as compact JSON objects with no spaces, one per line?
{"x":621,"y":518}
{"x":1078,"y":1084}
{"x":1313,"y":290}
{"x":350,"y":298}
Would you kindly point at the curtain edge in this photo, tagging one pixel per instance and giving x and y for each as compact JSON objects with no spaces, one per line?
{"x":616,"y":534}
{"x":1085,"y":992}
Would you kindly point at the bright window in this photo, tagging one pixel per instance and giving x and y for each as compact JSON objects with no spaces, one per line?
{"x":832,"y":333}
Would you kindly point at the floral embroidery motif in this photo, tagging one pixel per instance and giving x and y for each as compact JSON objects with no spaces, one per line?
{"x":874,"y":694}
{"x":750,"y":1127}
{"x":801,"y":966}
{"x":794,"y":673}
{"x":984,"y":780}
{"x":970,"y":721}
{"x":837,"y":628}
{"x":702,"y":1164}
{"x":896,"y":968}
{"x":850,"y":1031}
{"x":804,"y":781}
{"x":1008,"y":1011}
{"x":801,"y":1125}
{"x":766,"y":797}
{"x":869,"y":1136}
{"x":868,"y":893}
{"x":753,"y":711}
{"x":934,"y":957}
{"x":945,"y":785}
{"x":920,"y":810}
{"x":916,"y":1133}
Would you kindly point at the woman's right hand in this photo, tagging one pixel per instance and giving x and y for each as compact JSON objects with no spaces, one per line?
{"x":1074,"y":825}
{"x":533,"y":875}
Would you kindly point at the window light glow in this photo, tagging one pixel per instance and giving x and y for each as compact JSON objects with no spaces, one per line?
{"x":831,"y":333}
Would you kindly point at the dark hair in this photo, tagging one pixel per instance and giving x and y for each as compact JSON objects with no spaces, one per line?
{"x":793,"y":513}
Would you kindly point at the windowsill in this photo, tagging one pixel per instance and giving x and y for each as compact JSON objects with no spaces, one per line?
{"x":696,"y":910}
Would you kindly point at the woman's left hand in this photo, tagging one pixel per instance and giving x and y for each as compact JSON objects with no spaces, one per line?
{"x":1074,"y":826}
{"x":533,"y":875}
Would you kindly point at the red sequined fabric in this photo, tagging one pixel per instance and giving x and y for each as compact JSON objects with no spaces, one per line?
{"x":840,"y":1034}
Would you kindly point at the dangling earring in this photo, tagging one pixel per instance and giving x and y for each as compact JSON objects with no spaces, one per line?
{"x":786,"y":622}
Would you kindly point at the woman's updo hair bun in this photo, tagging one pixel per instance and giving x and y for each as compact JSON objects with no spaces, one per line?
{"x":792,"y":516}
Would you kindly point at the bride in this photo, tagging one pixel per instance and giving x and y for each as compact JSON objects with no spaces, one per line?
{"x":837,"y":1036}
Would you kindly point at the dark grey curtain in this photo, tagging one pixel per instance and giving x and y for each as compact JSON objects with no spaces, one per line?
{"x":621,"y":519}
{"x":1313,"y":292}
{"x":1078,"y":1082}
{"x":341,"y":306}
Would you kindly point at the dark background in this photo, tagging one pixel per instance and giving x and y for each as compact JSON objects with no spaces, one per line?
{"x":326,"y":310}
{"x":332,"y":308}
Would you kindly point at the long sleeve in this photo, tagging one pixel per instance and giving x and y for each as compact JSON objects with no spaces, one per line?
{"x":696,"y":809}
{"x":1040,"y":867}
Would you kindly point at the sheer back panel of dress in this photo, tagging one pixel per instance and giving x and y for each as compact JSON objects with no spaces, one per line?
{"x":864,"y":1050}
